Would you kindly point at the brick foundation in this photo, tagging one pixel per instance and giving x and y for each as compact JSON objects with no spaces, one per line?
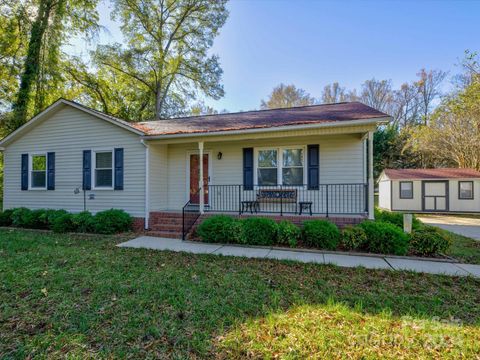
{"x":138,"y":224}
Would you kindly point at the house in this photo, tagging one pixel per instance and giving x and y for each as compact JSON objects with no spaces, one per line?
{"x":296,"y":162}
{"x":430,"y":190}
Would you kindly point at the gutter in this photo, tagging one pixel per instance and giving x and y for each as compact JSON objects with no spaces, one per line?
{"x":380,"y":121}
{"x":147,"y":183}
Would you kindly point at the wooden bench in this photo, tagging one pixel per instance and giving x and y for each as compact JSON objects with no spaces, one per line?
{"x":277,"y":195}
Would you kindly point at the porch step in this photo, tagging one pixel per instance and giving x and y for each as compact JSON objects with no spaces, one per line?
{"x":164,"y":226}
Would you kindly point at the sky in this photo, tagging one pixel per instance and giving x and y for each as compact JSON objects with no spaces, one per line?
{"x":311,"y":43}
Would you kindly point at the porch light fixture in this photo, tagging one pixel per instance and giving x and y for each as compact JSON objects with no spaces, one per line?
{"x":219,"y":155}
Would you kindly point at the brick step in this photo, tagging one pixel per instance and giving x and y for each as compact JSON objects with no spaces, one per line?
{"x":166,"y":227}
{"x":165,"y":234}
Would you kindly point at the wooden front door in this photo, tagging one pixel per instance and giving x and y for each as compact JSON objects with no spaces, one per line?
{"x":195,"y":176}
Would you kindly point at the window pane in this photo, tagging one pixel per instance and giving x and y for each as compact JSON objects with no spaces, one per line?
{"x":103,"y":178}
{"x":103,"y":160}
{"x":292,"y":176}
{"x":466,"y":190}
{"x":267,"y":176}
{"x":293,"y":157}
{"x":406,"y":190}
{"x":39,"y":162}
{"x":38,"y":179}
{"x":267,"y":158}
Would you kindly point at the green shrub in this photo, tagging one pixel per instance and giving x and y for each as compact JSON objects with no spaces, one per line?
{"x":38,"y":219}
{"x":220,"y":229}
{"x":385,"y":238}
{"x":429,"y":241}
{"x":112,"y":221}
{"x":259,"y":231}
{"x":321,"y":234}
{"x":84,"y":222}
{"x":353,"y":238}
{"x":49,"y":215}
{"x":63,"y":224}
{"x":288,"y":233}
{"x":22,"y":217}
{"x":396,"y":218}
{"x":6,"y":217}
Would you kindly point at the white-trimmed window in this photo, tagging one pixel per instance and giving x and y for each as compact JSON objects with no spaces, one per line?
{"x":406,"y":190}
{"x":38,"y":171}
{"x":103,"y":169}
{"x":280,"y":166}
{"x":465,"y":190}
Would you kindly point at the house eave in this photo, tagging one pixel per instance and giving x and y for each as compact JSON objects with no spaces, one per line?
{"x":373,"y":121}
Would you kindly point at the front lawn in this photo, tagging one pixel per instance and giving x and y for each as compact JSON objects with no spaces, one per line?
{"x":463,"y":248}
{"x":84,"y":297}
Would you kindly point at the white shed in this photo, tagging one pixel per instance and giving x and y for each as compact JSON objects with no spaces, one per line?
{"x":430,"y":190}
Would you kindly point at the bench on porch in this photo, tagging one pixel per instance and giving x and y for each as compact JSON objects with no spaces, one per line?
{"x":278,"y":196}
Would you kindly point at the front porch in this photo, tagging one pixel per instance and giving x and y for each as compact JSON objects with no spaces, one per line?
{"x":319,"y":173}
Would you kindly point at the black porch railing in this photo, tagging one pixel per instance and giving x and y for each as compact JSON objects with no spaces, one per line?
{"x":325,"y":199}
{"x":190,"y":214}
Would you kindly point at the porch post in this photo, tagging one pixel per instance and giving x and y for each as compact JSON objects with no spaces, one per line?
{"x":200,"y":181}
{"x":371,"y":196}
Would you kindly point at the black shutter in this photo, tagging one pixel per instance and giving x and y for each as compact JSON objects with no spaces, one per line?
{"x":248,"y":168}
{"x":313,"y":167}
{"x":51,"y":171}
{"x":87,"y":170}
{"x":24,"y":172}
{"x":118,"y":169}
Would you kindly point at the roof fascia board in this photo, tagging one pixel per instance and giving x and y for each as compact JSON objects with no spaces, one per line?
{"x":372,"y":121}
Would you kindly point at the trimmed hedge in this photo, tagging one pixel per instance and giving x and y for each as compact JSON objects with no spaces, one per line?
{"x":353,"y":238}
{"x":321,"y":234}
{"x":385,"y":238}
{"x":112,"y":221}
{"x":220,"y":229}
{"x":105,"y":222}
{"x":259,"y":231}
{"x":288,"y":233}
{"x":396,"y":218}
{"x":429,"y":241}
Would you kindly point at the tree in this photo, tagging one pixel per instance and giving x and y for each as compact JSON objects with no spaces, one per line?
{"x":33,"y":35}
{"x":284,"y":96}
{"x":377,"y":94}
{"x":164,"y":61}
{"x":334,"y":93}
{"x":452,"y":135}
{"x":429,"y":89}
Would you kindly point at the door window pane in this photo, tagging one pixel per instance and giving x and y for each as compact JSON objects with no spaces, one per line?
{"x":466,"y":189}
{"x":39,"y":171}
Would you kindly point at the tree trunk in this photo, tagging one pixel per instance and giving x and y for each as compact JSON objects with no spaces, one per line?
{"x":32,"y":63}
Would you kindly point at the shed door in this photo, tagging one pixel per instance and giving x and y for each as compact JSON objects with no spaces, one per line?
{"x":435,"y":195}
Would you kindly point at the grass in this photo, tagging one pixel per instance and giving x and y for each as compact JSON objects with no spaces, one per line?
{"x":83,"y":297}
{"x":463,"y":248}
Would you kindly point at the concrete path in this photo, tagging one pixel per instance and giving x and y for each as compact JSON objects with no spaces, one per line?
{"x":367,"y":261}
{"x":466,"y":226}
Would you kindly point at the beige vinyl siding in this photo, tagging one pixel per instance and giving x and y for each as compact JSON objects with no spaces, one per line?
{"x":384,"y":194}
{"x":341,"y":161}
{"x":158,"y":177}
{"x":467,"y":205}
{"x":68,"y":132}
{"x":414,"y":204}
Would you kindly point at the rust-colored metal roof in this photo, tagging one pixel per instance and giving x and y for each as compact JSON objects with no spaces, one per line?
{"x":422,"y":174}
{"x":314,"y":114}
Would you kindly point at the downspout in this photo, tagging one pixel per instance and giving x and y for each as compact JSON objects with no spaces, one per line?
{"x":147,"y":183}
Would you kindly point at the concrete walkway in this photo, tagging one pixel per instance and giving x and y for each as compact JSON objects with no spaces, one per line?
{"x":466,"y":226}
{"x":369,"y":262}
